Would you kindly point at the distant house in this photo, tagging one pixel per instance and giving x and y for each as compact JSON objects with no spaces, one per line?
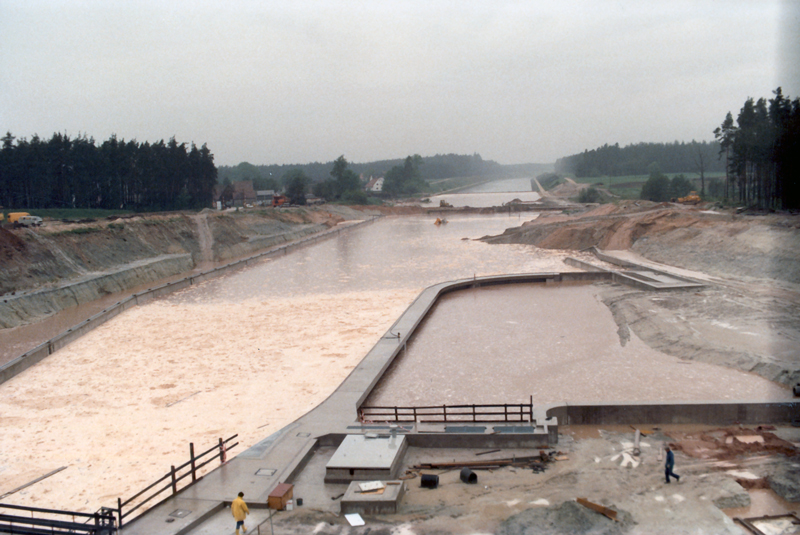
{"x":374,"y":184}
{"x":243,"y":193}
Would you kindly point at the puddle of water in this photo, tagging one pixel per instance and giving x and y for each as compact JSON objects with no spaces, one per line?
{"x":763,"y":502}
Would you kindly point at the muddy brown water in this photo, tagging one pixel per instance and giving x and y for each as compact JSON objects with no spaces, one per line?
{"x":390,"y":255}
{"x":559,"y":343}
{"x":552,"y":344}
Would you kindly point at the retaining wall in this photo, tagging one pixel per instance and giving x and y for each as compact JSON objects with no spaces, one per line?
{"x":717,"y":413}
{"x":40,"y":352}
{"x":21,"y":309}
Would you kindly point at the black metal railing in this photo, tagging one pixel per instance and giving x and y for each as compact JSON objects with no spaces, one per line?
{"x":189,"y":468}
{"x":25,"y":520}
{"x":506,"y":412}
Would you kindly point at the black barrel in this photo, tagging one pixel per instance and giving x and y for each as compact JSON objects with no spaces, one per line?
{"x":796,"y":390}
{"x":468,"y":476}
{"x":429,"y":481}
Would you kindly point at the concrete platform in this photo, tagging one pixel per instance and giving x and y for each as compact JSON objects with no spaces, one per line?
{"x":366,"y":457}
{"x":385,"y":502}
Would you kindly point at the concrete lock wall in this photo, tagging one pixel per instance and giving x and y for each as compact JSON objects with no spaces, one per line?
{"x":39,"y":353}
{"x":720,"y":413}
{"x":623,"y":413}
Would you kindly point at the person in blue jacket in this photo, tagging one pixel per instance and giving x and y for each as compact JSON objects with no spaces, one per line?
{"x":669,"y":465}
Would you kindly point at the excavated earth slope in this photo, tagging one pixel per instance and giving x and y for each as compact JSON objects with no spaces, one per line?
{"x":748,"y":317}
{"x":59,"y":265}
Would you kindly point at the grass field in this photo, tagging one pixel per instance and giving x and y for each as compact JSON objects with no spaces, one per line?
{"x":72,"y":214}
{"x":630,"y":186}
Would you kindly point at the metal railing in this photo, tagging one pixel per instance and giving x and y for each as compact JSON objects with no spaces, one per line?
{"x":174,"y":477}
{"x":506,"y":412}
{"x":40,"y":521}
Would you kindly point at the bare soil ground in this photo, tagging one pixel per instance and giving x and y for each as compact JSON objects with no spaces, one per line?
{"x":596,"y":463}
{"x":748,"y":317}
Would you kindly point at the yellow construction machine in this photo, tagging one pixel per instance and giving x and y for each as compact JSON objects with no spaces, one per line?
{"x":692,"y":198}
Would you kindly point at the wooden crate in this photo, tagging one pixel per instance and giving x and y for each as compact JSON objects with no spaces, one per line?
{"x":279,"y":496}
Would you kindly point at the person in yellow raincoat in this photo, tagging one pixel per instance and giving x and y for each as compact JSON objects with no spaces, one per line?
{"x":240,"y":511}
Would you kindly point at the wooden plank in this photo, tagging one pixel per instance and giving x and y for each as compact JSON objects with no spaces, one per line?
{"x":610,"y":513}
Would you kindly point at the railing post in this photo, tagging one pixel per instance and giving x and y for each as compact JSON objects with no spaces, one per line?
{"x":415,"y":414}
{"x":505,"y":412}
{"x":191,"y":458}
{"x":396,"y":417}
{"x":223,"y":457}
{"x":444,"y":413}
{"x":530,"y":415}
{"x":473,"y":413}
{"x":119,"y":511}
{"x":174,"y":481}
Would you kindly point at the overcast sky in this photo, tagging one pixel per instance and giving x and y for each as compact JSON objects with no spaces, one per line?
{"x":301,"y":81}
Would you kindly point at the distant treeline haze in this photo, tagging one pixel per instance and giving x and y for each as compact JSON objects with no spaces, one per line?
{"x":440,"y":166}
{"x":613,"y":160}
{"x":77,"y":173}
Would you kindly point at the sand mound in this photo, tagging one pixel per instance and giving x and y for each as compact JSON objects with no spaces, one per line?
{"x":687,"y":237}
{"x":565,"y":519}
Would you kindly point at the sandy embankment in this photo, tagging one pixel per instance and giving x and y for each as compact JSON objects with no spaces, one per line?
{"x":748,"y":318}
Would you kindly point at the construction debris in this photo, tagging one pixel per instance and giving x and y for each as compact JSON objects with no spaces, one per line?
{"x":770,"y":524}
{"x":492,"y":464}
{"x":610,"y":513}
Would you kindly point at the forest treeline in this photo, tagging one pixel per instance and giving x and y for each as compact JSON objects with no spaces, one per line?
{"x":65,"y":172}
{"x":762,"y":152}
{"x":613,"y":160}
{"x":440,"y":166}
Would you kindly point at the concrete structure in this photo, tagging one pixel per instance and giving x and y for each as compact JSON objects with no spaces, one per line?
{"x":282,"y":457}
{"x":366,"y":457}
{"x":382,"y":503}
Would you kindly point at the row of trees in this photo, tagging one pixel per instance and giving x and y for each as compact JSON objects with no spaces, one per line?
{"x":65,"y":172}
{"x":344,"y":184}
{"x":405,"y":179}
{"x":439,"y":166}
{"x":660,"y":187}
{"x":613,"y":160}
{"x":762,"y":152}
